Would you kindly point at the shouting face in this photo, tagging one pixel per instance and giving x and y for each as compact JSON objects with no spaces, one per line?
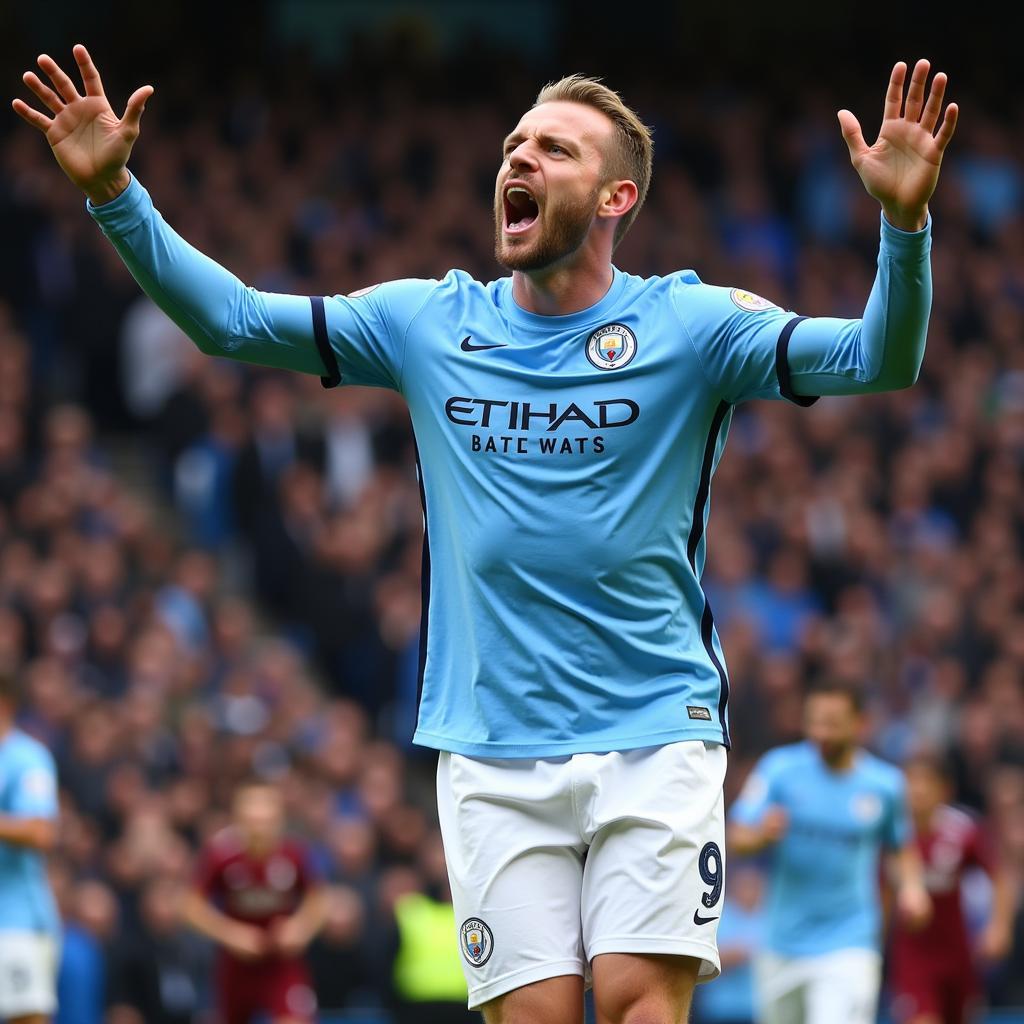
{"x":549,"y":185}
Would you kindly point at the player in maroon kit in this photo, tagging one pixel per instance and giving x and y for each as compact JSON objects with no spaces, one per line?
{"x":258,"y":898}
{"x":933,"y":977}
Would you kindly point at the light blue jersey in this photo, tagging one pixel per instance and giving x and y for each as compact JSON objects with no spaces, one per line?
{"x":565,"y":466}
{"x":28,"y":789}
{"x":824,"y":885}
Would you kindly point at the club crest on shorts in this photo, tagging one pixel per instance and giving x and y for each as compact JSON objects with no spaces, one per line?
{"x":749,"y":301}
{"x":476,"y":942}
{"x":611,"y":347}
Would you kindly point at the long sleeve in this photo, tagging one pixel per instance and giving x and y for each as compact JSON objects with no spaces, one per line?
{"x":884,"y":350}
{"x":750,"y":348}
{"x":348,"y":339}
{"x":212,"y":306}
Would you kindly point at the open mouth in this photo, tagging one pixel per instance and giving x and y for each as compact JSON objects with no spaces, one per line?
{"x":521,"y":209}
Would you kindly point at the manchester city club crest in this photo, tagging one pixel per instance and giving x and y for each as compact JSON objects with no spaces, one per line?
{"x":866,"y":807}
{"x":611,"y":347}
{"x":476,"y":942}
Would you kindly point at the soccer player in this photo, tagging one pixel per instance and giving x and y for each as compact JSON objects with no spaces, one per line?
{"x":29,"y":922}
{"x":933,"y":978}
{"x":257,"y":896}
{"x":568,"y":420}
{"x":826,"y":809}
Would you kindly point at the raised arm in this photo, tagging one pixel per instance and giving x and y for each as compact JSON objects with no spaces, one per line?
{"x":750,"y":348}
{"x":884,"y":351}
{"x":209,"y":303}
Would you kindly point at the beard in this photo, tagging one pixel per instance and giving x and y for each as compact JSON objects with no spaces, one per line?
{"x":833,"y":751}
{"x":560,"y":234}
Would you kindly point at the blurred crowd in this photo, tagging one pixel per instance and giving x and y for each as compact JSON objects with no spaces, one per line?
{"x":209,"y":570}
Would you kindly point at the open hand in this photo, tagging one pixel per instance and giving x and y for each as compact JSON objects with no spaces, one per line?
{"x":288,"y":937}
{"x":995,"y":943}
{"x":245,"y":941}
{"x":774,"y":825}
{"x":902,"y":168}
{"x":91,"y":143}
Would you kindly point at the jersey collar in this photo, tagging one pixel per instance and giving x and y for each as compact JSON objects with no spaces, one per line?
{"x":592,"y":314}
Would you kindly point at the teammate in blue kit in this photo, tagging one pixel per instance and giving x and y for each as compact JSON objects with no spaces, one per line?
{"x":568,"y":420}
{"x":29,"y":923}
{"x":826,"y":810}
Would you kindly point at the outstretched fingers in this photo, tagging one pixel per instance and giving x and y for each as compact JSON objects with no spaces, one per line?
{"x":948,"y":127}
{"x":915,"y":94}
{"x":134,"y":108}
{"x":850,"y":127}
{"x":894,"y":94}
{"x":932,"y":109}
{"x":50,"y":99}
{"x":90,"y":76}
{"x":65,"y":87}
{"x":33,"y":116}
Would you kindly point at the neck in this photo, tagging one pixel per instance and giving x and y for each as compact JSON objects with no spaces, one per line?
{"x":843,"y":761}
{"x":923,"y":821}
{"x":564,"y":288}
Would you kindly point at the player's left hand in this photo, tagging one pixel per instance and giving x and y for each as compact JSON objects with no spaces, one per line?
{"x":914,"y":906}
{"x":288,"y":937}
{"x":902,"y":168}
{"x":994,"y":943}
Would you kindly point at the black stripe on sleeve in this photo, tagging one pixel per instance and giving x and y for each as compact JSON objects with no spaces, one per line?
{"x":782,"y":366}
{"x":323,"y":344}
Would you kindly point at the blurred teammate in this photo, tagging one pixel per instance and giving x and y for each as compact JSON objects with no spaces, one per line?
{"x":29,"y":922}
{"x":258,"y":898}
{"x":568,"y":420}
{"x":933,"y":978}
{"x":825,"y":809}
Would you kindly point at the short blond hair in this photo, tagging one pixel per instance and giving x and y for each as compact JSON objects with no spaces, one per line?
{"x":634,"y":159}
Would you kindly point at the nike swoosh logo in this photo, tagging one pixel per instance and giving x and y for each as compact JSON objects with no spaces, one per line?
{"x":467,"y":346}
{"x":697,"y":919}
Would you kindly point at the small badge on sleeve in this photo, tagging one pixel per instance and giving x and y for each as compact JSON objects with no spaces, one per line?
{"x":749,"y":301}
{"x":700,"y":713}
{"x":476,"y":942}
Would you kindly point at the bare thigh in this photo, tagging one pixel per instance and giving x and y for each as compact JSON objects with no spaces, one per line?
{"x":647,"y":987}
{"x":551,"y":1001}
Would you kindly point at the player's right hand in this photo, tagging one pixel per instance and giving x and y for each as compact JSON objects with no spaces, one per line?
{"x":914,"y":906}
{"x":91,"y":143}
{"x":773,"y":825}
{"x":245,"y":941}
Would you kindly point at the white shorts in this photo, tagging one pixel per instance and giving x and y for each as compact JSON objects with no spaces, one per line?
{"x":28,"y":974}
{"x":557,"y":860}
{"x":834,"y":988}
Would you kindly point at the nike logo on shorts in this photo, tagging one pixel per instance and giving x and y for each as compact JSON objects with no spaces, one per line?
{"x":467,"y":346}
{"x":697,"y":919}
